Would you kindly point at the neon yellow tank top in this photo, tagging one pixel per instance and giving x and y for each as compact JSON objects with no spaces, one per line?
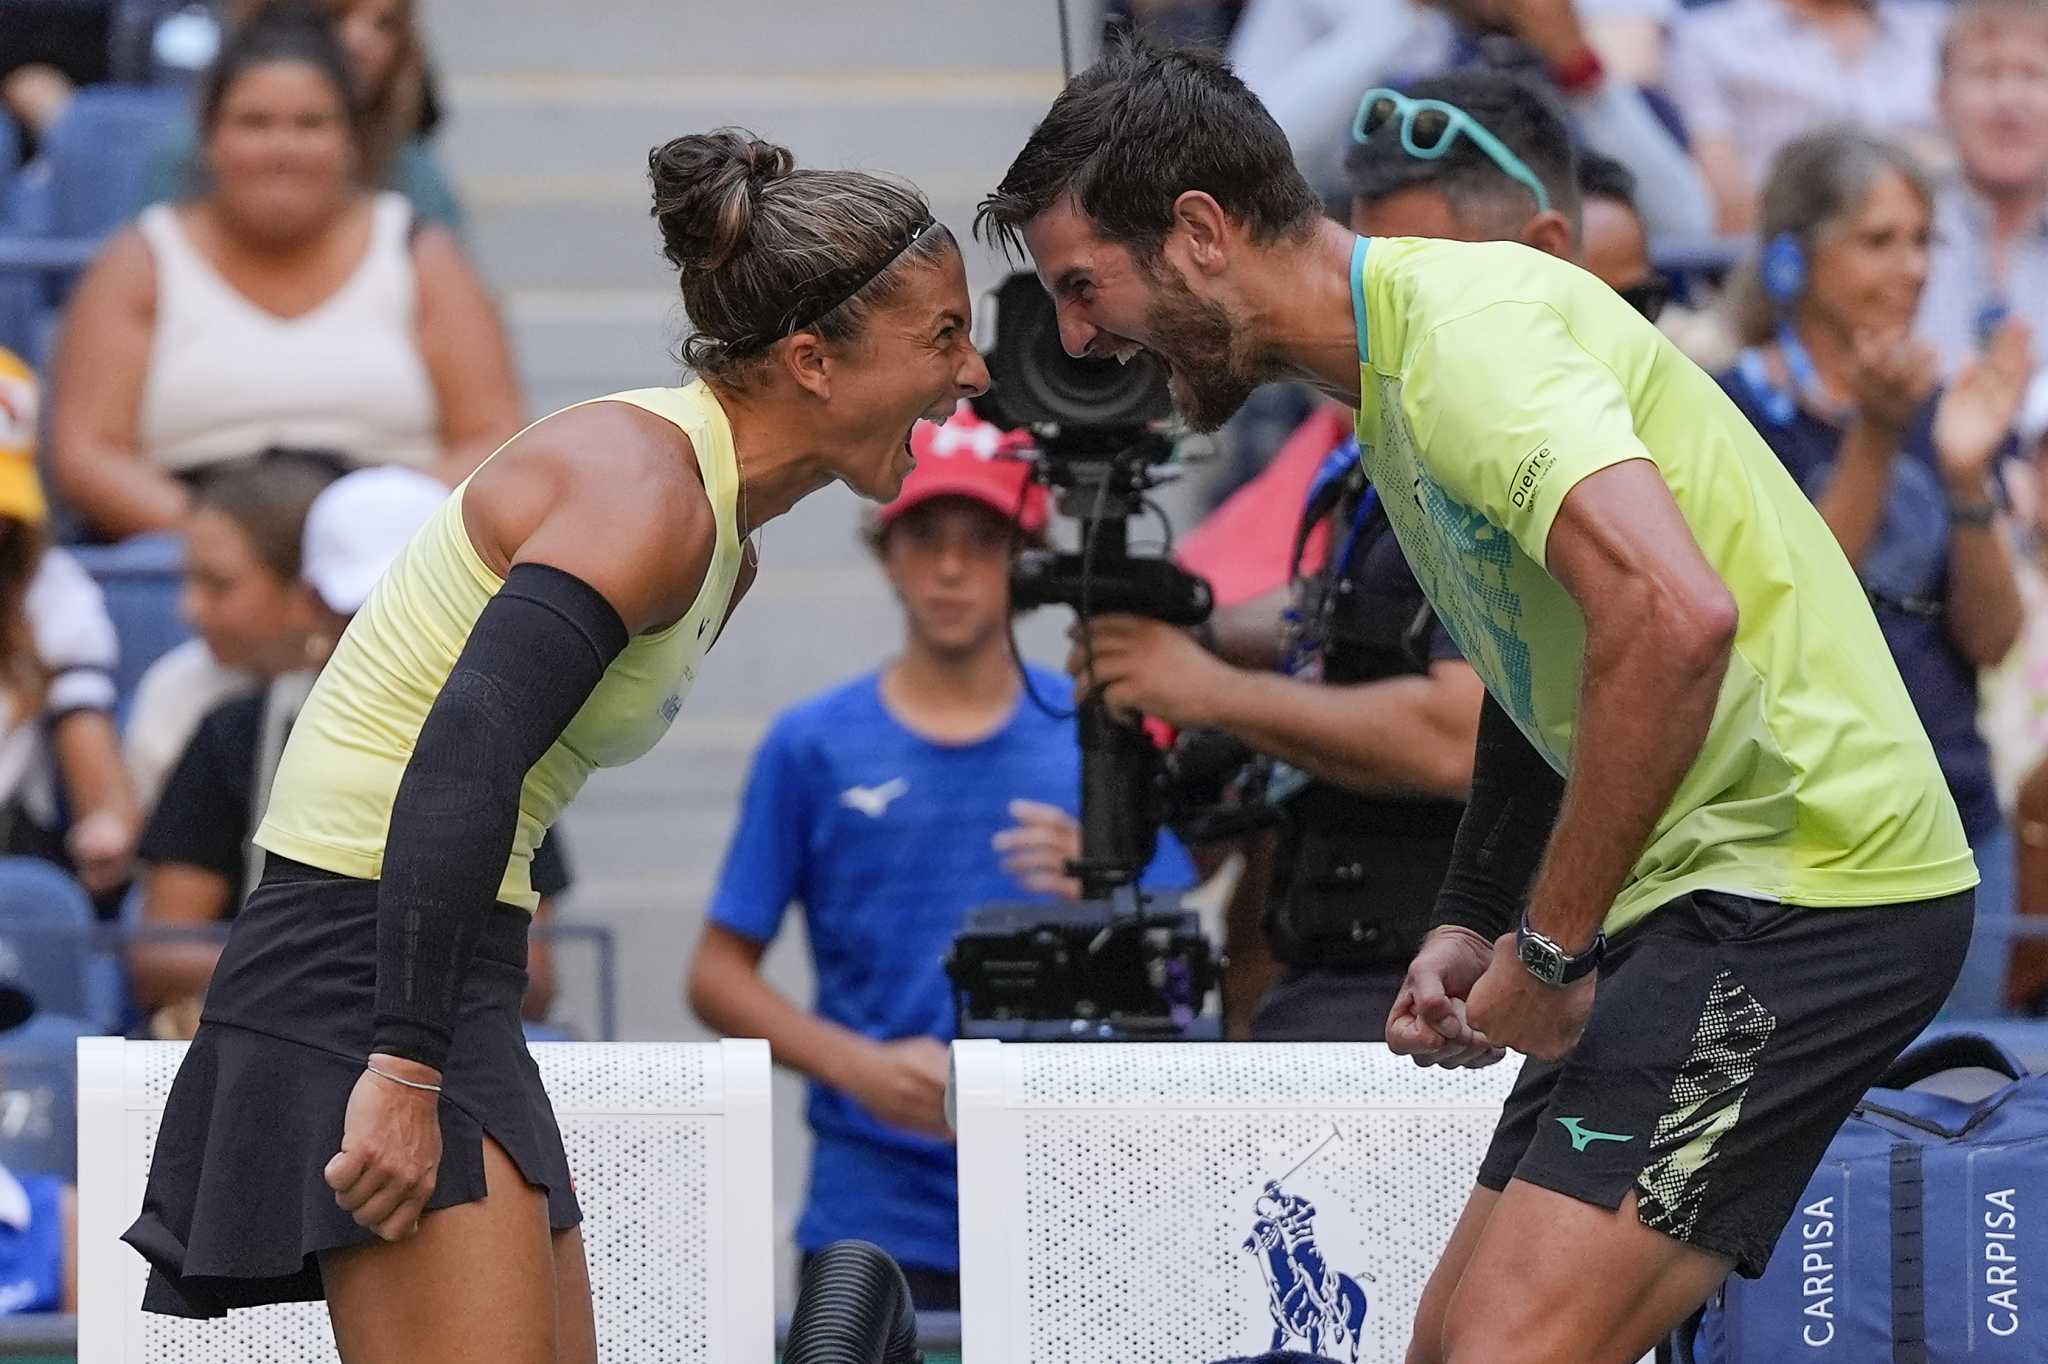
{"x":331,"y":801}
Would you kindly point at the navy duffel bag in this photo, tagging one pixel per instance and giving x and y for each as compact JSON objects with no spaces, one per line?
{"x":1922,"y":1238}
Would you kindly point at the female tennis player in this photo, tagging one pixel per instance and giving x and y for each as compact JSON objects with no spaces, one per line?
{"x":358,"y":1118}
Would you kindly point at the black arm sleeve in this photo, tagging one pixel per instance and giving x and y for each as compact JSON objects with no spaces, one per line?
{"x":1507,"y":824}
{"x":536,"y":653}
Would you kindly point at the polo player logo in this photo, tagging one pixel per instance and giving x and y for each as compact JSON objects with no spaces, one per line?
{"x":1312,"y":1305}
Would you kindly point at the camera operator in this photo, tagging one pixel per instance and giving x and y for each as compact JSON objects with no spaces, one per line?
{"x":1345,"y":677}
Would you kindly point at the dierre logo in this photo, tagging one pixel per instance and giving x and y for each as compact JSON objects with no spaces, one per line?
{"x":1529,"y":474}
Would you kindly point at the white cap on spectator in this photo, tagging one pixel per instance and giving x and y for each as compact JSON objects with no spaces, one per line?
{"x":2033,"y":422}
{"x":358,"y":526}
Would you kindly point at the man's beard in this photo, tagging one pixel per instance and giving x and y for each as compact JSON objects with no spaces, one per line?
{"x":1195,"y":334}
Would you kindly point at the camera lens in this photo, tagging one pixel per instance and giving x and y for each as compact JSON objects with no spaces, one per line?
{"x":1036,"y":382}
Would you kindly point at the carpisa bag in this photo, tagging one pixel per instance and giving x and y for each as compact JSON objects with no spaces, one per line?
{"x":1922,"y":1238}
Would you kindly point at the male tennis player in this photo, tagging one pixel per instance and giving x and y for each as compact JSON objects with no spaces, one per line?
{"x":1710,"y":880}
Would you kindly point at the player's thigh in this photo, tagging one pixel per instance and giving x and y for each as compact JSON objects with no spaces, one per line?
{"x":1426,"y":1343}
{"x":1554,"y":1280}
{"x":575,"y":1319}
{"x":475,"y":1284}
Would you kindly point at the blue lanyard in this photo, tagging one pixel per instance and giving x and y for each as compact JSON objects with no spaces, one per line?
{"x":1336,"y":465}
{"x":1781,"y":408}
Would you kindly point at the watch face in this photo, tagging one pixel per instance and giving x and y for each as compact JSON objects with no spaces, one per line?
{"x":1543,"y":961}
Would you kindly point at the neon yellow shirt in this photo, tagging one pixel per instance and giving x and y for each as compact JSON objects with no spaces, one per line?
{"x":1494,"y":378}
{"x":330,"y":804}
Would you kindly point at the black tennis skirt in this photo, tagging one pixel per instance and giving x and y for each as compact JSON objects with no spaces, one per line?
{"x":238,"y":1209}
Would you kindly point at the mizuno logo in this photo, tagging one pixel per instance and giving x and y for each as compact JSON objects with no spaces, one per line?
{"x":874,"y":801}
{"x":1583,"y":1136}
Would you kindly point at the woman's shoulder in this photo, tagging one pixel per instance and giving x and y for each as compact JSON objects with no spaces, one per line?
{"x":614,"y":464}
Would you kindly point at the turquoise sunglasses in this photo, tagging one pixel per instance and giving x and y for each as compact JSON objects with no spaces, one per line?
{"x":1430,"y":128}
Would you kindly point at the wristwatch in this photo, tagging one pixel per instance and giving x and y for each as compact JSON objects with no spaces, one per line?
{"x":1551,"y":964}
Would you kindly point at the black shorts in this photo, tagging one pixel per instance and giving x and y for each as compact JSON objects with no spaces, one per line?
{"x":1729,"y":1039}
{"x":237,"y":1210}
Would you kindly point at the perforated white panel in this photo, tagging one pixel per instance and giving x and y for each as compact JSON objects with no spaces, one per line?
{"x":645,"y":1191}
{"x":1138,"y":1223}
{"x":159,"y":1068}
{"x":1133,"y":1076}
{"x":650,"y":1135}
{"x":289,"y":1333}
{"x":631,"y":1077}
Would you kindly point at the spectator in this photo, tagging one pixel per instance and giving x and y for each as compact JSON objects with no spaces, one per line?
{"x":1847,"y":397}
{"x":882,"y":807}
{"x":1615,"y":246}
{"x":2027,"y":987}
{"x":2015,"y":716}
{"x":243,"y":599}
{"x":286,"y":308}
{"x":38,"y":1244}
{"x":1612,"y":241}
{"x":1310,"y":60}
{"x":57,"y":657}
{"x":196,"y":850}
{"x":1991,"y":225}
{"x":46,"y":52}
{"x":388,"y":60}
{"x":1749,"y":76}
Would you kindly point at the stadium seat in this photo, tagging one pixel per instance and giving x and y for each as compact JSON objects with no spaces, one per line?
{"x":670,"y":1146}
{"x":39,"y":1095}
{"x":45,"y":934}
{"x":20,"y":315}
{"x":1151,"y":1203}
{"x":141,"y":578}
{"x":98,"y":154}
{"x":10,"y":161}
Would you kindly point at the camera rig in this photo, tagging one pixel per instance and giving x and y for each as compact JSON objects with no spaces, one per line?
{"x":1120,"y":962}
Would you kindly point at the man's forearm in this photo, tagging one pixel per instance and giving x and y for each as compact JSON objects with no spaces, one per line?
{"x":1647,"y":701}
{"x":1402,"y":734}
{"x":1506,"y":826}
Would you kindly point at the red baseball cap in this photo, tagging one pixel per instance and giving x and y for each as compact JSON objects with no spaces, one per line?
{"x":968,"y":457}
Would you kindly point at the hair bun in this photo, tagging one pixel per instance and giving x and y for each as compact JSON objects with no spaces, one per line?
{"x":705,"y":185}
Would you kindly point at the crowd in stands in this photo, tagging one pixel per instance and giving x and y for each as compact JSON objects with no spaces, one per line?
{"x":279,"y":360}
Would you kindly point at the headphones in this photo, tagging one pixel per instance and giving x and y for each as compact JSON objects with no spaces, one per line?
{"x":1782,"y":272}
{"x":1783,"y":269}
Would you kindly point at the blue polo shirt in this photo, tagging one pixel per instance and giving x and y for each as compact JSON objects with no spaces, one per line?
{"x":885,"y":838}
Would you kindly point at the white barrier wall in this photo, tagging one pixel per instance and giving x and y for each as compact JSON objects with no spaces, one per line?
{"x":1183,"y":1202}
{"x":670,"y":1148}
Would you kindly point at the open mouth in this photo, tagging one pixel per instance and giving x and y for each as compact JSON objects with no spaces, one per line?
{"x":1123,"y":350}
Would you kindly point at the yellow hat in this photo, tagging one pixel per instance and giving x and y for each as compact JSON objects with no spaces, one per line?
{"x":21,"y":490}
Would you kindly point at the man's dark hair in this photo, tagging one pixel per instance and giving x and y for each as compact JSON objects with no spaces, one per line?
{"x":1525,"y":119}
{"x":1138,"y":129}
{"x":1602,"y":177}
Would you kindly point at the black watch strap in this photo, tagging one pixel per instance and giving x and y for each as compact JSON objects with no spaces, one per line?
{"x":1549,"y":962}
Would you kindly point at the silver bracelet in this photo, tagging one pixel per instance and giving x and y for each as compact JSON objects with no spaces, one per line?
{"x":400,"y":1080}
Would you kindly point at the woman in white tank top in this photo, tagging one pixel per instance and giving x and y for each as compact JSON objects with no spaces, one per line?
{"x":287,"y":308}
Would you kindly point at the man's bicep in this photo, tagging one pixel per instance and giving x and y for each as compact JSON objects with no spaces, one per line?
{"x":1622,"y":525}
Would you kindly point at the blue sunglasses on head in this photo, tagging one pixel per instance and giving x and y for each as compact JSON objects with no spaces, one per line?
{"x":1431,"y":127}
